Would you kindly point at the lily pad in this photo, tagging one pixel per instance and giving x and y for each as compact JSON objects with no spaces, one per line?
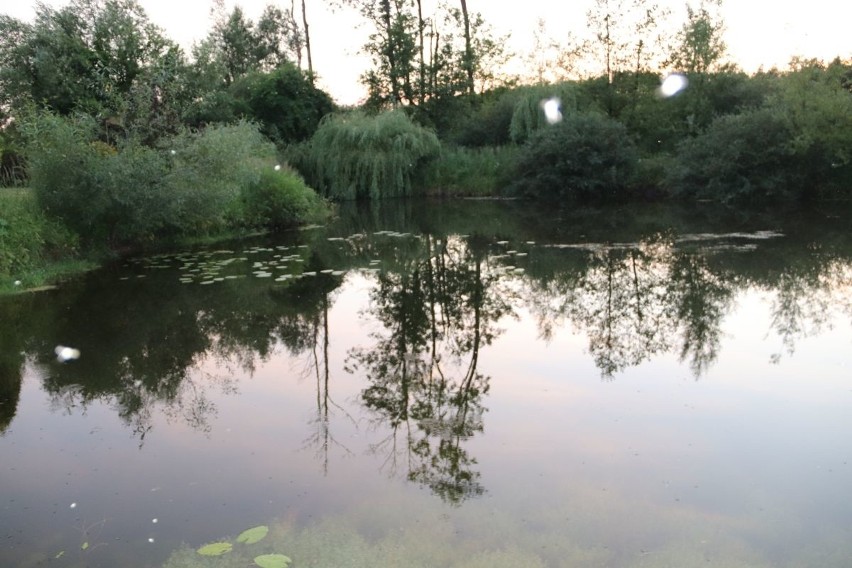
{"x":253,"y":535}
{"x":215,"y":549}
{"x":272,"y":561}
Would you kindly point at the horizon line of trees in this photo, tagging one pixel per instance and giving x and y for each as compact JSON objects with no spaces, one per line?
{"x":105,"y":59}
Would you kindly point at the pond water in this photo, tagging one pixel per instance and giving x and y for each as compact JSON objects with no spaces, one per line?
{"x":470,"y":384}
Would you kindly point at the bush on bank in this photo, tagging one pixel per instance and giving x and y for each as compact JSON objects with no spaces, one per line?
{"x":191,"y":184}
{"x":586,"y":157}
{"x":280,"y":199}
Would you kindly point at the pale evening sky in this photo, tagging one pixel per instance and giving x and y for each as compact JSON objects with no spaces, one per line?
{"x":758,"y":33}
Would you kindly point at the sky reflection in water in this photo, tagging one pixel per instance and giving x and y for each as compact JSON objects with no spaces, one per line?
{"x":592,"y":392}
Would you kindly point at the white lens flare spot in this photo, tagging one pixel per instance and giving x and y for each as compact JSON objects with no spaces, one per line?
{"x":672,"y":85}
{"x":552,"y":108}
{"x":73,"y":506}
{"x":154,"y":521}
{"x":173,"y":152}
{"x":278,"y":167}
{"x":17,"y":282}
{"x":151,"y":540}
{"x":64,"y":354}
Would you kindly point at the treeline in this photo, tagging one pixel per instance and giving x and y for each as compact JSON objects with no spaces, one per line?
{"x":124,"y":139}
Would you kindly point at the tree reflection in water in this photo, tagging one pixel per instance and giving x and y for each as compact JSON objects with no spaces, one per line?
{"x":439,"y":307}
{"x":438,"y":301}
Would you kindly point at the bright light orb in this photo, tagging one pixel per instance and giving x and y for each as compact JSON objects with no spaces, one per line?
{"x":64,"y":354}
{"x":552,"y":108}
{"x":673,"y":84}
{"x":278,"y":168}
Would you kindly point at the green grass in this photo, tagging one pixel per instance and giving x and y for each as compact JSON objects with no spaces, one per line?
{"x":34,"y":249}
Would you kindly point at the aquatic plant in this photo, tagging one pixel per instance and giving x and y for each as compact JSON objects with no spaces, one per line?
{"x":253,"y":535}
{"x":215,"y":549}
{"x":272,"y":561}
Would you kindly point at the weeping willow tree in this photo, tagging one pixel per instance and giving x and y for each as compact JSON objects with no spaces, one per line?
{"x":528,"y":115}
{"x":356,"y":156}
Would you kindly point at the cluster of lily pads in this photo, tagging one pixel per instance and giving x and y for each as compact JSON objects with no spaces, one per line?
{"x":211,"y":267}
{"x":248,"y":537}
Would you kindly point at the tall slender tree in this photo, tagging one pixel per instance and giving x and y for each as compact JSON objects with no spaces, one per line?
{"x":468,"y":60}
{"x":699,"y":42}
{"x":307,"y":41}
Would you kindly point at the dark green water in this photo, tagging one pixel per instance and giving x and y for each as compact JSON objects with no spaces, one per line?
{"x":422,"y":384}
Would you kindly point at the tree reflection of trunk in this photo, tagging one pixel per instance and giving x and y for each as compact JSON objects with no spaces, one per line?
{"x":323,"y":438}
{"x":438,"y":312}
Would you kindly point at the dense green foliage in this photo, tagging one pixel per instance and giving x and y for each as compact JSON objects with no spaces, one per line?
{"x":126,"y":140}
{"x":357,"y":156}
{"x":461,"y":171}
{"x":742,"y":156}
{"x":87,"y":55}
{"x":280,"y":199}
{"x":133,"y":194}
{"x":28,"y":239}
{"x":586,"y":157}
{"x":125,"y":143}
{"x":284,"y":102}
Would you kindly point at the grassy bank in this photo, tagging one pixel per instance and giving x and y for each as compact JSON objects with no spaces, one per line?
{"x":35,"y":250}
{"x":90,"y":200}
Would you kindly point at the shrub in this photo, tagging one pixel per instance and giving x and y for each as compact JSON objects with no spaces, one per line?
{"x":463,"y":171}
{"x":740,"y":157}
{"x":356,"y":156}
{"x":134,"y":193}
{"x":280,"y":200}
{"x":208,"y":171}
{"x":585,"y":157}
{"x":816,"y":101}
{"x":478,"y":121}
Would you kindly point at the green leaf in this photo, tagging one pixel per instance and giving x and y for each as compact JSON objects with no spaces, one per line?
{"x":253,"y":535}
{"x":60,"y":554}
{"x":272,"y":561}
{"x":84,"y":546}
{"x":215,"y":549}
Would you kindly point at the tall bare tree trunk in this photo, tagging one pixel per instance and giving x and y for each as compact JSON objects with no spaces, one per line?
{"x":391,"y":53}
{"x":468,"y":49}
{"x":307,"y":42}
{"x":420,"y":29}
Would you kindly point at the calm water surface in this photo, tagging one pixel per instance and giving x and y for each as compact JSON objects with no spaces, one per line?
{"x":422,"y":384}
